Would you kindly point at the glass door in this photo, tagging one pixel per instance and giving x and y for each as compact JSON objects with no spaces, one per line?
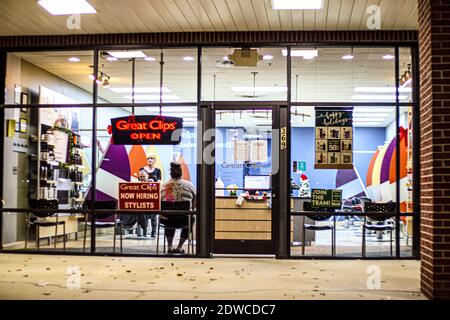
{"x":245,"y":163}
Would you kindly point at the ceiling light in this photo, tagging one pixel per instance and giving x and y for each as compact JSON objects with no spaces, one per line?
{"x":140,"y":90}
{"x":348,"y":57}
{"x":388,"y":57}
{"x":362,"y":124}
{"x":267,"y":57}
{"x":374,"y":110}
{"x":188,"y":58}
{"x":127,"y":54}
{"x":112,"y":59}
{"x":302,"y":53}
{"x":67,"y":7}
{"x":259,"y":89}
{"x":91,"y":76}
{"x":361,"y":114}
{"x":377,"y":97}
{"x":149,"y":59}
{"x":180,"y":109}
{"x":74,"y":59}
{"x":381,"y":89}
{"x":297,"y":5}
{"x":367,"y":119}
{"x":152,"y":97}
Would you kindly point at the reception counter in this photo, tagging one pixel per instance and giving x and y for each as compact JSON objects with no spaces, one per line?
{"x":250,"y":221}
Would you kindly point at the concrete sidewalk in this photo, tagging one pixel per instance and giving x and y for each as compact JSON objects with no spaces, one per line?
{"x":51,"y":277}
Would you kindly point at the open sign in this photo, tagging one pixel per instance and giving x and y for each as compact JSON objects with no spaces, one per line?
{"x":135,"y":130}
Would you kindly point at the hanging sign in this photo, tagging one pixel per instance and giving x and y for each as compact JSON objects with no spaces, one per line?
{"x":326,"y":199}
{"x":334,"y":139}
{"x":146,"y":130}
{"x":139,"y":196}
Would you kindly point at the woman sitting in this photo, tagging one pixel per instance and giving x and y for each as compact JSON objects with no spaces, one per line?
{"x":177,"y":189}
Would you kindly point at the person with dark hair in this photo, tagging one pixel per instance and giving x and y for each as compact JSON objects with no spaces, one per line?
{"x":177,"y":189}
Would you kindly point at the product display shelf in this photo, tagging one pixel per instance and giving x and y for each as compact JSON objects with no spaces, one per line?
{"x":52,"y":179}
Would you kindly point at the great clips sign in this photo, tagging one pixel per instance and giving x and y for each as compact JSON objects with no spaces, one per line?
{"x":146,"y":130}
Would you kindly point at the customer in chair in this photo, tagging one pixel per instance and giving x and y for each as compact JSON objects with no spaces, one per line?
{"x":177,"y":189}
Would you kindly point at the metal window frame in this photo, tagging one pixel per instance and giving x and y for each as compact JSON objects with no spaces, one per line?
{"x":205,"y":172}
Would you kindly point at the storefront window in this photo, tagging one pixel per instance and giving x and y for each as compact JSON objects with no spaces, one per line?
{"x":338,"y":142}
{"x":245,"y":74}
{"x":48,"y":166}
{"x":343,"y":75}
{"x":179,"y":75}
{"x":371,"y":177}
{"x":54,"y":77}
{"x":124,"y":163}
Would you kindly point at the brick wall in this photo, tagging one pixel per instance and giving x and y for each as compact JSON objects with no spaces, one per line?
{"x":434,"y":42}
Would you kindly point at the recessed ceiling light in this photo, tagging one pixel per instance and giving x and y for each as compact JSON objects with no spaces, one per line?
{"x":388,"y":57}
{"x":127,"y":54}
{"x":374,"y":110}
{"x":362,"y":114}
{"x":302,"y":53}
{"x":152,"y":97}
{"x":367,"y":119}
{"x":297,"y":5}
{"x":267,"y":57}
{"x":67,"y":7}
{"x":188,"y":58}
{"x":348,"y":57}
{"x":259,"y":89}
{"x":377,"y":97}
{"x":74,"y":59}
{"x":362,"y":124}
{"x":112,"y":59}
{"x":140,"y":89}
{"x":382,"y":89}
{"x":149,"y":59}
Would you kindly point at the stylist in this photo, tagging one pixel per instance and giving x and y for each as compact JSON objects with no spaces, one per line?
{"x":154,"y":175}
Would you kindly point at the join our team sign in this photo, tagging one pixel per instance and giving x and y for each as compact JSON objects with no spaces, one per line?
{"x":139,"y":196}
